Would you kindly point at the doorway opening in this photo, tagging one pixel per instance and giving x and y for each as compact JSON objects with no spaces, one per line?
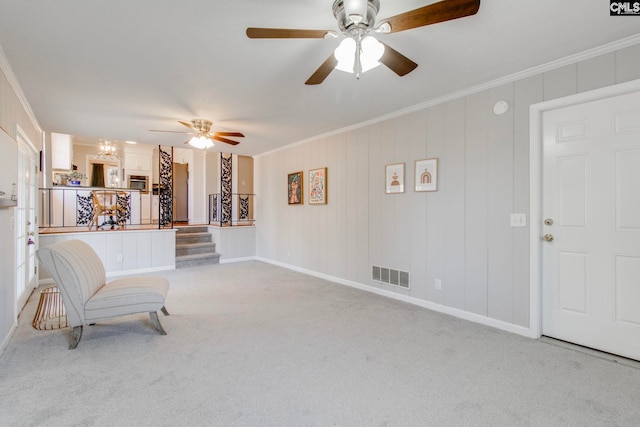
{"x":181,"y":192}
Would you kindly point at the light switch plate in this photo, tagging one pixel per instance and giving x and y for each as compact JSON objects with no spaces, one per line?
{"x":518,"y":220}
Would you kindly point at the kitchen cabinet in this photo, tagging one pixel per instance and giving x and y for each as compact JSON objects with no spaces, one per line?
{"x":138,"y":160}
{"x":155,"y":209}
{"x":145,"y":208}
{"x":61,"y":151}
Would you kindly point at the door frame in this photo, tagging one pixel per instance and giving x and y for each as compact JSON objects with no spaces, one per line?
{"x":22,"y":139}
{"x":535,"y":187}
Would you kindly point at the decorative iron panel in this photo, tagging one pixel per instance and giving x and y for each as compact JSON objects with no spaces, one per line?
{"x":244,"y":208}
{"x":85,"y":209}
{"x":225,"y":188}
{"x":124,"y":207}
{"x":214,"y":208}
{"x":165,"y":188}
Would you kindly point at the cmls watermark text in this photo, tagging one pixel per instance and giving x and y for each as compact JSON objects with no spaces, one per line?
{"x":624,"y":8}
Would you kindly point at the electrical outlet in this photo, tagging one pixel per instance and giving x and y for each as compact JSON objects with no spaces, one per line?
{"x":438,"y":284}
{"x":119,"y":257}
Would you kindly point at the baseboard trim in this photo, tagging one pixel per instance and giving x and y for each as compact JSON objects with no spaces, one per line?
{"x":461,"y":314}
{"x":6,"y":340}
{"x":241,"y":259}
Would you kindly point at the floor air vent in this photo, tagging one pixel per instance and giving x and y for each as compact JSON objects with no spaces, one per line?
{"x":390,"y":276}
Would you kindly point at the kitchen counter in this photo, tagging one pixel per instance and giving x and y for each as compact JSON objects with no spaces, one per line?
{"x":82,"y":187}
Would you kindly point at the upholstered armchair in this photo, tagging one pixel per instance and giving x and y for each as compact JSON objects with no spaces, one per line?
{"x":88,"y":298}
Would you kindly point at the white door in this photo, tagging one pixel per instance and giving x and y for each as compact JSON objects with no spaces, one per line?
{"x":591,"y":210}
{"x":25,"y":223}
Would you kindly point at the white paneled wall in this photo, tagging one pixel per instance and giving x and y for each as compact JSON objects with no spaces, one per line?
{"x":124,"y":252}
{"x":12,"y":113}
{"x":234,"y":243}
{"x":460,"y":234}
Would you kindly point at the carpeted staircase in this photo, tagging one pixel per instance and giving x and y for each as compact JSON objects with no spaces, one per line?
{"x":194,"y":246}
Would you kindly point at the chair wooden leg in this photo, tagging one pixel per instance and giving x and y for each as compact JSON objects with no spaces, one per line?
{"x":153,"y":315}
{"x":164,"y":311}
{"x":77,"y":334}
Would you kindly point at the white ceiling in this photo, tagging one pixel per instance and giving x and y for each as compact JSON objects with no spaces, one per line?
{"x":115,"y":69}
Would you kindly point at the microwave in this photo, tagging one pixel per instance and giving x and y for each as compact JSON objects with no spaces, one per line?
{"x":139,"y":182}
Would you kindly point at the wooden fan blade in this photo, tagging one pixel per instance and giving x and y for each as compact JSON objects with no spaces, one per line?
{"x":238,"y":134}
{"x":189,"y":125}
{"x":323,"y":71}
{"x":397,"y":62}
{"x":285,"y":33}
{"x":442,"y":11}
{"x":228,"y":141}
{"x":172,"y":131}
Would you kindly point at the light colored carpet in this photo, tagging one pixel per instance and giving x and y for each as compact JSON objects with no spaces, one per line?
{"x":251,"y":344}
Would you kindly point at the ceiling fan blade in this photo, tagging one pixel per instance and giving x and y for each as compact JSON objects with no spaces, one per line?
{"x":171,"y":131}
{"x":323,"y":71}
{"x":228,"y":141}
{"x":285,"y":33}
{"x":397,"y":62}
{"x":189,"y":125}
{"x":441,"y":11}
{"x":238,"y":134}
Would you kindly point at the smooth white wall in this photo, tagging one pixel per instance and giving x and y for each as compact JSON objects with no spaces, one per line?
{"x":460,"y":234}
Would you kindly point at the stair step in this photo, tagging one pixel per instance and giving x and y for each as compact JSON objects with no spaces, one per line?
{"x":197,"y":259}
{"x":195,"y":248}
{"x":189,"y":230}
{"x":194,"y":237}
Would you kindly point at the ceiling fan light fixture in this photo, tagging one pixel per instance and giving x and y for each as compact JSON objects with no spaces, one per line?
{"x":201,"y":142}
{"x":371,"y":50}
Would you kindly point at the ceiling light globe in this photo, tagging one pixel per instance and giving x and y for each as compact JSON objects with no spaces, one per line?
{"x":201,"y":142}
{"x":372,"y":51}
{"x":345,"y":54}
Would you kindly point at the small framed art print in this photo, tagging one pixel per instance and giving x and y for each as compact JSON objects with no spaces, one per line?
{"x":318,"y":186}
{"x":294,"y":188}
{"x":394,"y":178}
{"x":426,"y":175}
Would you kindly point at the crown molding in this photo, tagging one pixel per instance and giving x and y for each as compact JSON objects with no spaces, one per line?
{"x":13,"y":83}
{"x":568,"y":60}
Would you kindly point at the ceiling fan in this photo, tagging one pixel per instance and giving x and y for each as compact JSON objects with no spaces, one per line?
{"x":203,"y":136}
{"x":360,"y":51}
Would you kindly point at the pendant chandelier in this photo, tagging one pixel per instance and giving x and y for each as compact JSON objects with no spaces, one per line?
{"x":108,"y":150}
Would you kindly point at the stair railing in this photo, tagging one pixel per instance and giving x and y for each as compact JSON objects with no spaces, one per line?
{"x":237,"y":210}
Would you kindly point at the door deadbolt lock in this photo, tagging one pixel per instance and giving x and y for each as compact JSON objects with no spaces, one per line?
{"x":548,"y":237}
{"x":548,"y":221}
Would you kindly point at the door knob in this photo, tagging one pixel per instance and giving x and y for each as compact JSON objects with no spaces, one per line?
{"x":548,"y":237}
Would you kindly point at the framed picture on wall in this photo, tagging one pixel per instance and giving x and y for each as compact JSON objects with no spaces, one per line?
{"x":394,"y":178}
{"x":294,"y":188}
{"x":318,"y":186}
{"x":426,"y":175}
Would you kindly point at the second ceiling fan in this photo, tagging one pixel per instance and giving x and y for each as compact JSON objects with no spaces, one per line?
{"x":360,"y":51}
{"x":203,"y":136}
